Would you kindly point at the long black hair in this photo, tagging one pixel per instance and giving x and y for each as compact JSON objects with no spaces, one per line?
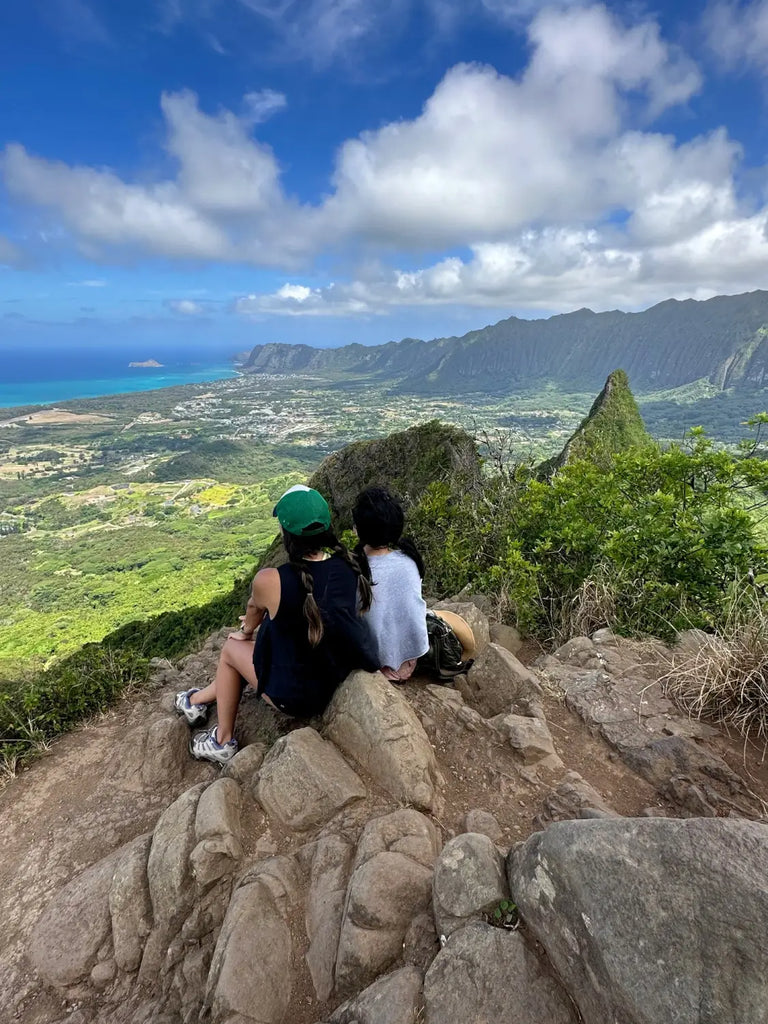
{"x":297,"y":548}
{"x":379,"y":520}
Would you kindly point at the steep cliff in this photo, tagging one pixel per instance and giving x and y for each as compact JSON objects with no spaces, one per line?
{"x":673,"y":343}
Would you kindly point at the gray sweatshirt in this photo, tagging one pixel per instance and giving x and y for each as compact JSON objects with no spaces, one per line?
{"x":397,"y":620}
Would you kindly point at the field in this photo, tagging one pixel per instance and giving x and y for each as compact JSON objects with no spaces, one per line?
{"x":117,"y":508}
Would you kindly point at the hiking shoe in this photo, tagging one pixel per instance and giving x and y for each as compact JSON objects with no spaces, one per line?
{"x":205,"y":747}
{"x":193,"y":713}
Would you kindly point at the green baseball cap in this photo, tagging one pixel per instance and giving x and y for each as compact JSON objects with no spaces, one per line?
{"x":303,"y":512}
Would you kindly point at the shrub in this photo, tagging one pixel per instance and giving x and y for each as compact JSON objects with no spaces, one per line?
{"x":646,"y":545}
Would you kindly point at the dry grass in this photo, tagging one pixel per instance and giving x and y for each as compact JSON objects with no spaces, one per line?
{"x":724,"y":676}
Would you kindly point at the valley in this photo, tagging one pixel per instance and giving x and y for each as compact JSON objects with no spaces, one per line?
{"x":121,"y":507}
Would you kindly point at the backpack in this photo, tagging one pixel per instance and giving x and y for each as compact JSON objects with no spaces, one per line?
{"x":444,"y":658}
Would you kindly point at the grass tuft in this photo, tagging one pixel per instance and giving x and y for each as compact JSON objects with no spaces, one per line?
{"x":724,"y":676}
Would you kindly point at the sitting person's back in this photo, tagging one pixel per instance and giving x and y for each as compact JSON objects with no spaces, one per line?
{"x":300,"y":677}
{"x":397,"y":617}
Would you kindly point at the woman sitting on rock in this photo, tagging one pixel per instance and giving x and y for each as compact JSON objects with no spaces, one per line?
{"x":397,"y":619}
{"x":310,"y":637}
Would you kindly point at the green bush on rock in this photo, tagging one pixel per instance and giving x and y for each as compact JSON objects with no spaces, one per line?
{"x":647,"y":544}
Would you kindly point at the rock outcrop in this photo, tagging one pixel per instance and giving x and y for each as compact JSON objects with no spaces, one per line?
{"x":651,"y":920}
{"x":364,"y":874}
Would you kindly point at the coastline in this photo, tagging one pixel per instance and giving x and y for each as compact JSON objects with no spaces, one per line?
{"x":17,"y":395}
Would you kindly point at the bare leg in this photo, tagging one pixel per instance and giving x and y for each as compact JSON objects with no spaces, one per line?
{"x":235,"y":663}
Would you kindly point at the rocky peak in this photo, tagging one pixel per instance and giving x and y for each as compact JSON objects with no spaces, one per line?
{"x":613,"y":424}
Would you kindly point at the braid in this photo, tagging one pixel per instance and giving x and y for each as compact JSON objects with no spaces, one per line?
{"x":362,"y":571}
{"x":311,"y":610}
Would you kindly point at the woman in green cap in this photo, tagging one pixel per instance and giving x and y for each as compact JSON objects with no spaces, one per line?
{"x":310,"y":634}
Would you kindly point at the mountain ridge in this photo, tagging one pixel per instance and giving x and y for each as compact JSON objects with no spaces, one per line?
{"x":724,"y":339}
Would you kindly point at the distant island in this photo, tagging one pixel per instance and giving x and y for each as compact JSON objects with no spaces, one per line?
{"x":147,"y":362}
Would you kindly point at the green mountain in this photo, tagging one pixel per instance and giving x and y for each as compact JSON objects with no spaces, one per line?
{"x":612,"y":424}
{"x":723,"y":340}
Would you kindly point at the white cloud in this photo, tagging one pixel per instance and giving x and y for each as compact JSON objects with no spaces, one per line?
{"x":91,"y":282}
{"x":550,"y":269}
{"x":263,"y":104}
{"x":553,"y":182}
{"x":737,"y":32}
{"x":185,"y":307}
{"x":489,"y":153}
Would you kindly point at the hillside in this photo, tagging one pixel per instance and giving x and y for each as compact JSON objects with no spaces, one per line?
{"x":671,"y":344}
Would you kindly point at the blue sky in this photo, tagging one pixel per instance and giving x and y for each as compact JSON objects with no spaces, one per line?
{"x":227,"y":172}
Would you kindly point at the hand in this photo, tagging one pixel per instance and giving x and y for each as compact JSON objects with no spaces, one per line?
{"x":240,"y":635}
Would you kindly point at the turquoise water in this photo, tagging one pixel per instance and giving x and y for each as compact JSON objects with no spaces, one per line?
{"x":44,"y":378}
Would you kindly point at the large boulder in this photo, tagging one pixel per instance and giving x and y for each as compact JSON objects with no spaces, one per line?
{"x":469,"y":879}
{"x":305,"y":781}
{"x":406,"y":462}
{"x":391,"y":882}
{"x":371,"y":722}
{"x":651,"y":919}
{"x":72,"y":928}
{"x":488,"y":974}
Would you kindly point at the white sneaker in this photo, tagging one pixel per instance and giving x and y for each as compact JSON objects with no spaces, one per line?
{"x":205,"y":747}
{"x":193,"y":713}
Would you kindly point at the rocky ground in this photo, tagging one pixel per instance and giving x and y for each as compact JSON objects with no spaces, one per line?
{"x":362,"y":868}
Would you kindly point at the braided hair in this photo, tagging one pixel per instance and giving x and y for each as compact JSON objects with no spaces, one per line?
{"x":297,"y":548}
{"x":379,"y":520}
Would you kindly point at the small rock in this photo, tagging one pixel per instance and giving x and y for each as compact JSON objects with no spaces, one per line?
{"x":475,"y":619}
{"x":483,"y":822}
{"x":506,"y":636}
{"x":393,"y":999}
{"x":530,"y":738}
{"x":103,"y":973}
{"x":244,"y":766}
{"x":469,"y":880}
{"x":497,"y":682}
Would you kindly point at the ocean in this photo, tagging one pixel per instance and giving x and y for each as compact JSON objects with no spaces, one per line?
{"x":40,"y":376}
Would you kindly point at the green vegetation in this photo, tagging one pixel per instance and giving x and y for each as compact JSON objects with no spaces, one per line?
{"x":612,"y":425}
{"x":648,"y":545}
{"x":144,"y":508}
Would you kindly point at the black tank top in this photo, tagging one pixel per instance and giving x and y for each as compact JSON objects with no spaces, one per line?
{"x":298,"y":678}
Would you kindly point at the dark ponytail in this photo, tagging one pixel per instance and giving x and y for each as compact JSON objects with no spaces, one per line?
{"x":379,"y":520}
{"x":406,"y":545}
{"x":297,"y":548}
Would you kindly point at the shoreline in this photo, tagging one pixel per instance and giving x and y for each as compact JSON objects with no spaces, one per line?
{"x":58,"y":393}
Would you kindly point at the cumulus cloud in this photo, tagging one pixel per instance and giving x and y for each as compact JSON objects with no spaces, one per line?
{"x":552,"y":181}
{"x":554,"y":269}
{"x":737,"y":32}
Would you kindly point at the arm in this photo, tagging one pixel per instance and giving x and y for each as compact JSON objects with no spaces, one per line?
{"x":264,"y":597}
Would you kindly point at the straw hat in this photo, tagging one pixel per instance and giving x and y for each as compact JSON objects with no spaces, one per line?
{"x":461,"y":628}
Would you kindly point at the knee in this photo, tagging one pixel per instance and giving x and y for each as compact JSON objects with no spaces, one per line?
{"x":228,"y":652}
